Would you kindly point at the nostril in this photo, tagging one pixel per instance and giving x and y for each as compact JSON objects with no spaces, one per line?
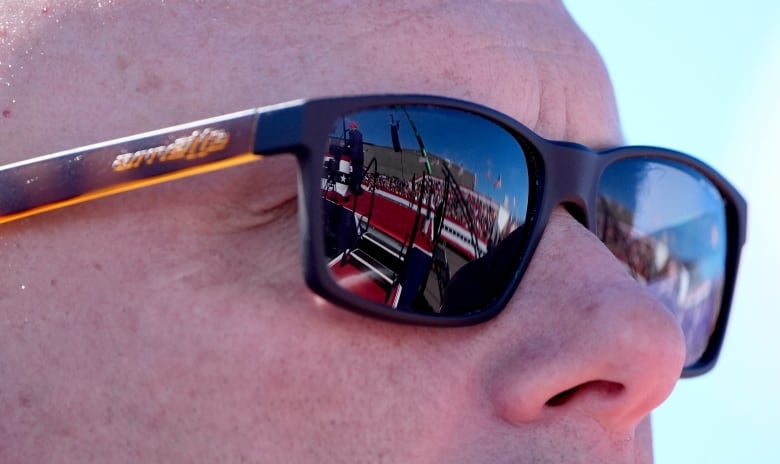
{"x":600,"y":388}
{"x":561,"y":397}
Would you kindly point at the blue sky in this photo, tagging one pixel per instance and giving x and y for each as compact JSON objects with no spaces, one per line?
{"x":704,"y":77}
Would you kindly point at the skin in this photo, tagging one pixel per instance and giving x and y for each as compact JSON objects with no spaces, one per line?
{"x":172,"y":324}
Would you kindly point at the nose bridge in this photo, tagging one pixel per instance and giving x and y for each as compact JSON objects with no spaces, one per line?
{"x":603,"y":347}
{"x":571,"y":179}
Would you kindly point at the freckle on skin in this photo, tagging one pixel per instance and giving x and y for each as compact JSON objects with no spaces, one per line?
{"x":25,"y":399}
{"x":6,"y":113}
{"x":122,"y":63}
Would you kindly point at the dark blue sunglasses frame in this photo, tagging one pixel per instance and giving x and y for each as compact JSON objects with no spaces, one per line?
{"x":561,"y":173}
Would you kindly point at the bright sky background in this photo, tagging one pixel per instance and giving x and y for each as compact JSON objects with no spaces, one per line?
{"x":704,"y":77}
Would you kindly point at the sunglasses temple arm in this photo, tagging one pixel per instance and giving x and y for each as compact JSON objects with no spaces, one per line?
{"x":75,"y":176}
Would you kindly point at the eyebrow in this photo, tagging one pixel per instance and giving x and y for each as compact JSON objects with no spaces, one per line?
{"x":70,"y":177}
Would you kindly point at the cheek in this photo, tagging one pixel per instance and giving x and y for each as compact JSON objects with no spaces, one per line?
{"x":219,"y":329}
{"x":333,"y":377}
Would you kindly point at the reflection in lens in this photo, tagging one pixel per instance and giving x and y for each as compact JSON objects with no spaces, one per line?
{"x":667,"y":224}
{"x":420,"y":203}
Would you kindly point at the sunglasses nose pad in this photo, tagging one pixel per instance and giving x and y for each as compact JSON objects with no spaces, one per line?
{"x":577,"y":212}
{"x":480,"y":282}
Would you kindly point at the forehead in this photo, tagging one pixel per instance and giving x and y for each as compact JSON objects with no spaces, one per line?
{"x":81,"y":72}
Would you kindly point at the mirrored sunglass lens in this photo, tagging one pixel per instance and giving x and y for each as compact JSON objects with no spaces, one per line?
{"x":423,"y":207}
{"x":666,"y":223}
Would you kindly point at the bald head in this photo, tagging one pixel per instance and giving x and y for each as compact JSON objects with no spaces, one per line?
{"x":80,"y":72}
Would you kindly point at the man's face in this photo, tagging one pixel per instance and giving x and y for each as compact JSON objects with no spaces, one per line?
{"x":172,"y":324}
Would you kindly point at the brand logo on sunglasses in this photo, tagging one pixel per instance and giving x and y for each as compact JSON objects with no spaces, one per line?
{"x":197,"y":145}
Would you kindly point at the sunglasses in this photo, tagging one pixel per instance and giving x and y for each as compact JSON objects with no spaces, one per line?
{"x":427,"y":210}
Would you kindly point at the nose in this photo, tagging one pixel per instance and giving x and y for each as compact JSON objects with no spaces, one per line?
{"x":584,"y":339}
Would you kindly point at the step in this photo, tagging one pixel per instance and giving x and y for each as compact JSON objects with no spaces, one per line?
{"x":384,"y":273}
